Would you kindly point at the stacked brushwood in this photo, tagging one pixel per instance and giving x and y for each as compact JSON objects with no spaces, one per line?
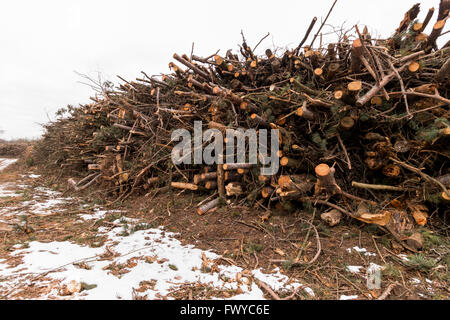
{"x":364,"y":127}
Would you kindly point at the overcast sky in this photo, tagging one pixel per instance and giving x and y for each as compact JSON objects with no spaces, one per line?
{"x":43,"y":42}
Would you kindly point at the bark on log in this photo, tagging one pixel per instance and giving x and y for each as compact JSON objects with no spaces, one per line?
{"x":208,"y":206}
{"x":325,"y":176}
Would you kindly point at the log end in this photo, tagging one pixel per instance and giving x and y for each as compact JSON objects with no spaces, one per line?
{"x":322,"y":170}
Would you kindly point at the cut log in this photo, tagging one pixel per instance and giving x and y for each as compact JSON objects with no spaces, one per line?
{"x":300,"y":183}
{"x":437,"y":30}
{"x":354,"y":86}
{"x":211,"y":184}
{"x":382,"y":218}
{"x":266,"y":192}
{"x":377,"y":101}
{"x":332,"y":217}
{"x":94,"y":167}
{"x":332,"y":70}
{"x":415,"y":241}
{"x":234,"y":166}
{"x":232,"y":176}
{"x":421,"y":37}
{"x":391,"y":170}
{"x":289,"y":162}
{"x":318,"y":72}
{"x":417,"y":27}
{"x":234,"y":189}
{"x":304,"y":112}
{"x":198,"y":178}
{"x":357,"y":49}
{"x":208,"y":206}
{"x":184,"y":185}
{"x":413,"y":67}
{"x":346,"y":123}
{"x":325,"y":179}
{"x":153,"y":181}
{"x":259,"y":120}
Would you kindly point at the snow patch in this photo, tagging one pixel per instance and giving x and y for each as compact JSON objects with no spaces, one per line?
{"x":361,"y":250}
{"x":158,"y":257}
{"x":353,"y":269}
{"x":97,"y":214}
{"x":6,"y":162}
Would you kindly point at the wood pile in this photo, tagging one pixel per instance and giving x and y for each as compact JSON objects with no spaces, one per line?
{"x":364,"y":126}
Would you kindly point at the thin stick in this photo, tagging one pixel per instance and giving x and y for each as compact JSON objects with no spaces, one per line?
{"x":268,"y":34}
{"x":323,"y":23}
{"x":319,"y":246}
{"x":345,"y":152}
{"x":402,"y":87}
{"x":388,"y":291}
{"x":376,"y":186}
{"x":378,"y":250}
{"x":311,"y":25}
{"x":427,"y":20}
{"x":424,"y":175}
{"x":268,"y":289}
{"x":363,"y":100}
{"x":425,"y":95}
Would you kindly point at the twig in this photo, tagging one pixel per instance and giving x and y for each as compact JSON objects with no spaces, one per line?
{"x":311,"y":25}
{"x":349,"y":163}
{"x":264,"y":286}
{"x":402,"y":87}
{"x":323,"y":23}
{"x":268,"y":34}
{"x":363,"y":100}
{"x":376,"y":186}
{"x":330,"y":205}
{"x":424,"y":175}
{"x":319,"y":246}
{"x":378,"y":250}
{"x":388,"y":290}
{"x":425,"y":95}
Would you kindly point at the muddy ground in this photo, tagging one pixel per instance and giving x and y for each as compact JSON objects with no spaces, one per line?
{"x":322,"y":262}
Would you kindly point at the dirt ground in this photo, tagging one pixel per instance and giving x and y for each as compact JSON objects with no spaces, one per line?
{"x":332,"y":261}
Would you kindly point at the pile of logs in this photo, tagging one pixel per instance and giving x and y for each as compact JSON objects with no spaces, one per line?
{"x":363,"y":122}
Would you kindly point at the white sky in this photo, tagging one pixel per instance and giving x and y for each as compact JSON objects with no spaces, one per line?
{"x":43,"y":42}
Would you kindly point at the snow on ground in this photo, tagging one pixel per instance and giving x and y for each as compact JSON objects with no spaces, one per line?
{"x":5,"y":190}
{"x":43,"y":202}
{"x":156,"y":257}
{"x":353,"y":269}
{"x":6,"y":162}
{"x":98,"y":214}
{"x":153,"y":257}
{"x":361,"y":250}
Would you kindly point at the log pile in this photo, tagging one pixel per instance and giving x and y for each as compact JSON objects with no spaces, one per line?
{"x":363,"y":126}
